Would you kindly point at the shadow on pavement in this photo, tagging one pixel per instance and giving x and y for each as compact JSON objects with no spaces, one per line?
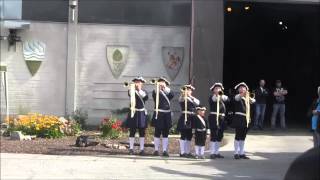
{"x":262,"y":166}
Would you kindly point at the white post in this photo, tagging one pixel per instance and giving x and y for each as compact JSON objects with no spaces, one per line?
{"x":4,"y":80}
{"x":72,"y":65}
{"x":6,"y":94}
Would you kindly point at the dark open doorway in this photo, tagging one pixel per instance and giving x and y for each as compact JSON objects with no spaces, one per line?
{"x":275,"y":41}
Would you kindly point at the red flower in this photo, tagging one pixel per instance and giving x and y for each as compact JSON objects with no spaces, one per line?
{"x":114,"y":126}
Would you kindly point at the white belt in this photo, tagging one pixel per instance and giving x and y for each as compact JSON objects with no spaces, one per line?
{"x":143,"y":109}
{"x":162,"y":110}
{"x":240,"y":113}
{"x":188,"y":112}
{"x":202,"y":130}
{"x":220,"y":114}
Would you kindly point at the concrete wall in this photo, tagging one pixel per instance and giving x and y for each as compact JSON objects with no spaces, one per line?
{"x":45,"y":91}
{"x":208,"y":46}
{"x":98,"y":91}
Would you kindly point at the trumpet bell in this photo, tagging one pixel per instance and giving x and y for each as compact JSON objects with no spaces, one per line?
{"x":220,"y":93}
{"x":125,"y":84}
{"x":183,"y":89}
{"x":153,"y":81}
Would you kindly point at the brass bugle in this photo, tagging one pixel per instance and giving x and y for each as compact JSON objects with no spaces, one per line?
{"x":220,"y":93}
{"x":126,"y":84}
{"x":252,"y":95}
{"x":153,"y":81}
{"x":183,"y":89}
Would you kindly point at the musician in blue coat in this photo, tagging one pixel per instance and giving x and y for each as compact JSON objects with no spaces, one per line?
{"x":139,"y":119}
{"x":240,"y":120}
{"x":186,"y":119}
{"x":217,"y":128}
{"x":161,"y":119}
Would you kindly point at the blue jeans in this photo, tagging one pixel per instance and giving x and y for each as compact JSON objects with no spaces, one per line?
{"x":281,"y":110}
{"x":259,"y":115}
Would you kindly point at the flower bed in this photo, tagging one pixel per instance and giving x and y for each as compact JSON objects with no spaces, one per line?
{"x":45,"y":126}
{"x":111,"y":128}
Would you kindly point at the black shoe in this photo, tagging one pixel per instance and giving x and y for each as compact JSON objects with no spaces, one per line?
{"x":165,"y":154}
{"x":244,"y":157}
{"x":236,"y":156}
{"x":213,"y":156}
{"x":219,"y":156}
{"x":131,"y":152}
{"x":189,"y":155}
{"x":183,"y":155}
{"x":142,"y":153}
{"x":156,"y":153}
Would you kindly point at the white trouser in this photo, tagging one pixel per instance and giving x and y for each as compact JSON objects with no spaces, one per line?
{"x":182,"y":146}
{"x":141,"y":143}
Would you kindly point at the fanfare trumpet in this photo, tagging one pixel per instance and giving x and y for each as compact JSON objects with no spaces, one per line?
{"x":248,"y":98}
{"x":220,"y":93}
{"x":183,"y":91}
{"x":153,"y":81}
{"x":156,"y":83}
{"x":132,"y":92}
{"x":126,"y":84}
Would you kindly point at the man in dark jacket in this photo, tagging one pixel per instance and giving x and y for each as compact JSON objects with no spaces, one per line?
{"x":261,"y":94}
{"x":279,"y":106}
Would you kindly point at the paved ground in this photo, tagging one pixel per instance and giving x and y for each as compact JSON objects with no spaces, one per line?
{"x":270,"y":157}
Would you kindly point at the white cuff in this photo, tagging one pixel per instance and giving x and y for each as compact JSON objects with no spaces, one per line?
{"x":252,"y":100}
{"x":166,"y":90}
{"x":214,"y":98}
{"x":196,"y":101}
{"x":224,"y":98}
{"x":142,"y":93}
{"x":208,"y":131}
{"x":237,"y":97}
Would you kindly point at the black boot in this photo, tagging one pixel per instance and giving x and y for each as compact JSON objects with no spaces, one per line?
{"x":236,"y":156}
{"x":243,"y":156}
{"x":131,"y":152}
{"x":156,"y":153}
{"x":165,"y":154}
{"x":142,"y":153}
{"x":213,"y":156}
{"x":219,"y":156}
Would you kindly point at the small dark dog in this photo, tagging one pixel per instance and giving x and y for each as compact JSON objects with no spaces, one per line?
{"x":85,"y":141}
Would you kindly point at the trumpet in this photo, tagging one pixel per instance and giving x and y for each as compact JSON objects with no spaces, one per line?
{"x":185,"y":97}
{"x":132,"y":92}
{"x":153,"y":81}
{"x":183,"y":89}
{"x":126,"y":84}
{"x":248,"y":98}
{"x":156,"y":83}
{"x":220,"y":93}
